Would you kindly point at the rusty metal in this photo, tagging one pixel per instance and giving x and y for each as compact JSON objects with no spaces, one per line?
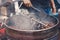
{"x":32,"y":34}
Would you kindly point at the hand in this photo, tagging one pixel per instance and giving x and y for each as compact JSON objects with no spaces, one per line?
{"x":27,"y":3}
{"x":54,"y":14}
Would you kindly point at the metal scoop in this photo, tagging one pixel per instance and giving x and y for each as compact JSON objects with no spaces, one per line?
{"x":38,"y":20}
{"x":33,"y":17}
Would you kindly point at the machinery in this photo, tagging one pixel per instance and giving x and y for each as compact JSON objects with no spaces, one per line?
{"x":27,"y":23}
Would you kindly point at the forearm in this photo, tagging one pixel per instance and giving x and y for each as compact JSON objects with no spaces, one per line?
{"x":53,"y":6}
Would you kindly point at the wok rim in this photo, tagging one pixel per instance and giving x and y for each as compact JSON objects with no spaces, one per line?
{"x":37,"y":30}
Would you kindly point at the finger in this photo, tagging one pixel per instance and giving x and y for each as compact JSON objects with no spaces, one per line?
{"x":28,"y":5}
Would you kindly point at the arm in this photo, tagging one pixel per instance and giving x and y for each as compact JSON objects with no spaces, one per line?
{"x":53,"y":6}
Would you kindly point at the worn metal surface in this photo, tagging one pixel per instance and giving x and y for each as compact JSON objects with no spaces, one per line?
{"x":37,"y":35}
{"x":33,"y":34}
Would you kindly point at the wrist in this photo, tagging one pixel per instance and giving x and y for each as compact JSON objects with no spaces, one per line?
{"x":55,"y":13}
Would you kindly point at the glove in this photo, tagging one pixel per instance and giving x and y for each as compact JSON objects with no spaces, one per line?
{"x":54,"y":14}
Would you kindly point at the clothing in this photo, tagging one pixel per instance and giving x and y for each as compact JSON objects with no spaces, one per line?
{"x":58,"y":1}
{"x":44,"y":4}
{"x":57,"y":4}
{"x":41,"y":3}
